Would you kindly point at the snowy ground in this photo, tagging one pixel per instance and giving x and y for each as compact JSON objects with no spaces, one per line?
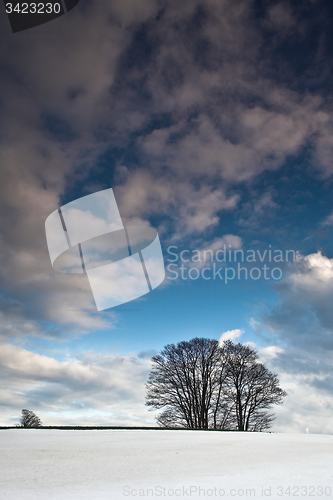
{"x":120,"y":464}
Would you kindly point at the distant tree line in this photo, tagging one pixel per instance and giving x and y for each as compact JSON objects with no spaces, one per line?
{"x":202,"y":384}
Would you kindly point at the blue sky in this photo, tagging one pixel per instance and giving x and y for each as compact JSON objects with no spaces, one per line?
{"x":212,"y":122}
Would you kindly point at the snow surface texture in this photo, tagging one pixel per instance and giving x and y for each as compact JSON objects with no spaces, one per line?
{"x":119,"y":464}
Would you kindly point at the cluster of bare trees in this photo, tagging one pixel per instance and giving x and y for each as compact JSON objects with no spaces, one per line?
{"x":201,"y":384}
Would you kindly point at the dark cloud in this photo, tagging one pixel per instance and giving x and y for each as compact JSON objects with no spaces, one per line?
{"x":301,"y":324}
{"x":303,"y":316}
{"x":147,"y":354}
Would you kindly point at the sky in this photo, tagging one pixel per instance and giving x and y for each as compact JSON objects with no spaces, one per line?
{"x":212,"y":122}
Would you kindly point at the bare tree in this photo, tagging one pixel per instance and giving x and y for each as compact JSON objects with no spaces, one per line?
{"x":254,"y":389}
{"x":29,"y":419}
{"x":185,"y":382}
{"x":200,"y":384}
{"x":262,"y":421}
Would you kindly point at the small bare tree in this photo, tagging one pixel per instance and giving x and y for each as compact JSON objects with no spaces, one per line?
{"x":29,"y":419}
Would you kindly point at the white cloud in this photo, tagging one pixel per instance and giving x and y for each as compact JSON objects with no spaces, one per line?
{"x":211,"y":252}
{"x":301,"y":326}
{"x":107,"y":386}
{"x":303,"y":314}
{"x":267,"y":353}
{"x":231,"y":335}
{"x":328,"y":221}
{"x":229,"y":240}
{"x":194,"y":210}
{"x":305,"y":409}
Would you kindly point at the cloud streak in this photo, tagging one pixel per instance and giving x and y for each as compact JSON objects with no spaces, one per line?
{"x":102,"y":385}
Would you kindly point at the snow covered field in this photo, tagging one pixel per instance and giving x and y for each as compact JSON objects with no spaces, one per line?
{"x":120,"y":464}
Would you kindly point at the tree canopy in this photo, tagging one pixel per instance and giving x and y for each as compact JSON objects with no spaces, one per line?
{"x":29,"y":419}
{"x":200,"y":384}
